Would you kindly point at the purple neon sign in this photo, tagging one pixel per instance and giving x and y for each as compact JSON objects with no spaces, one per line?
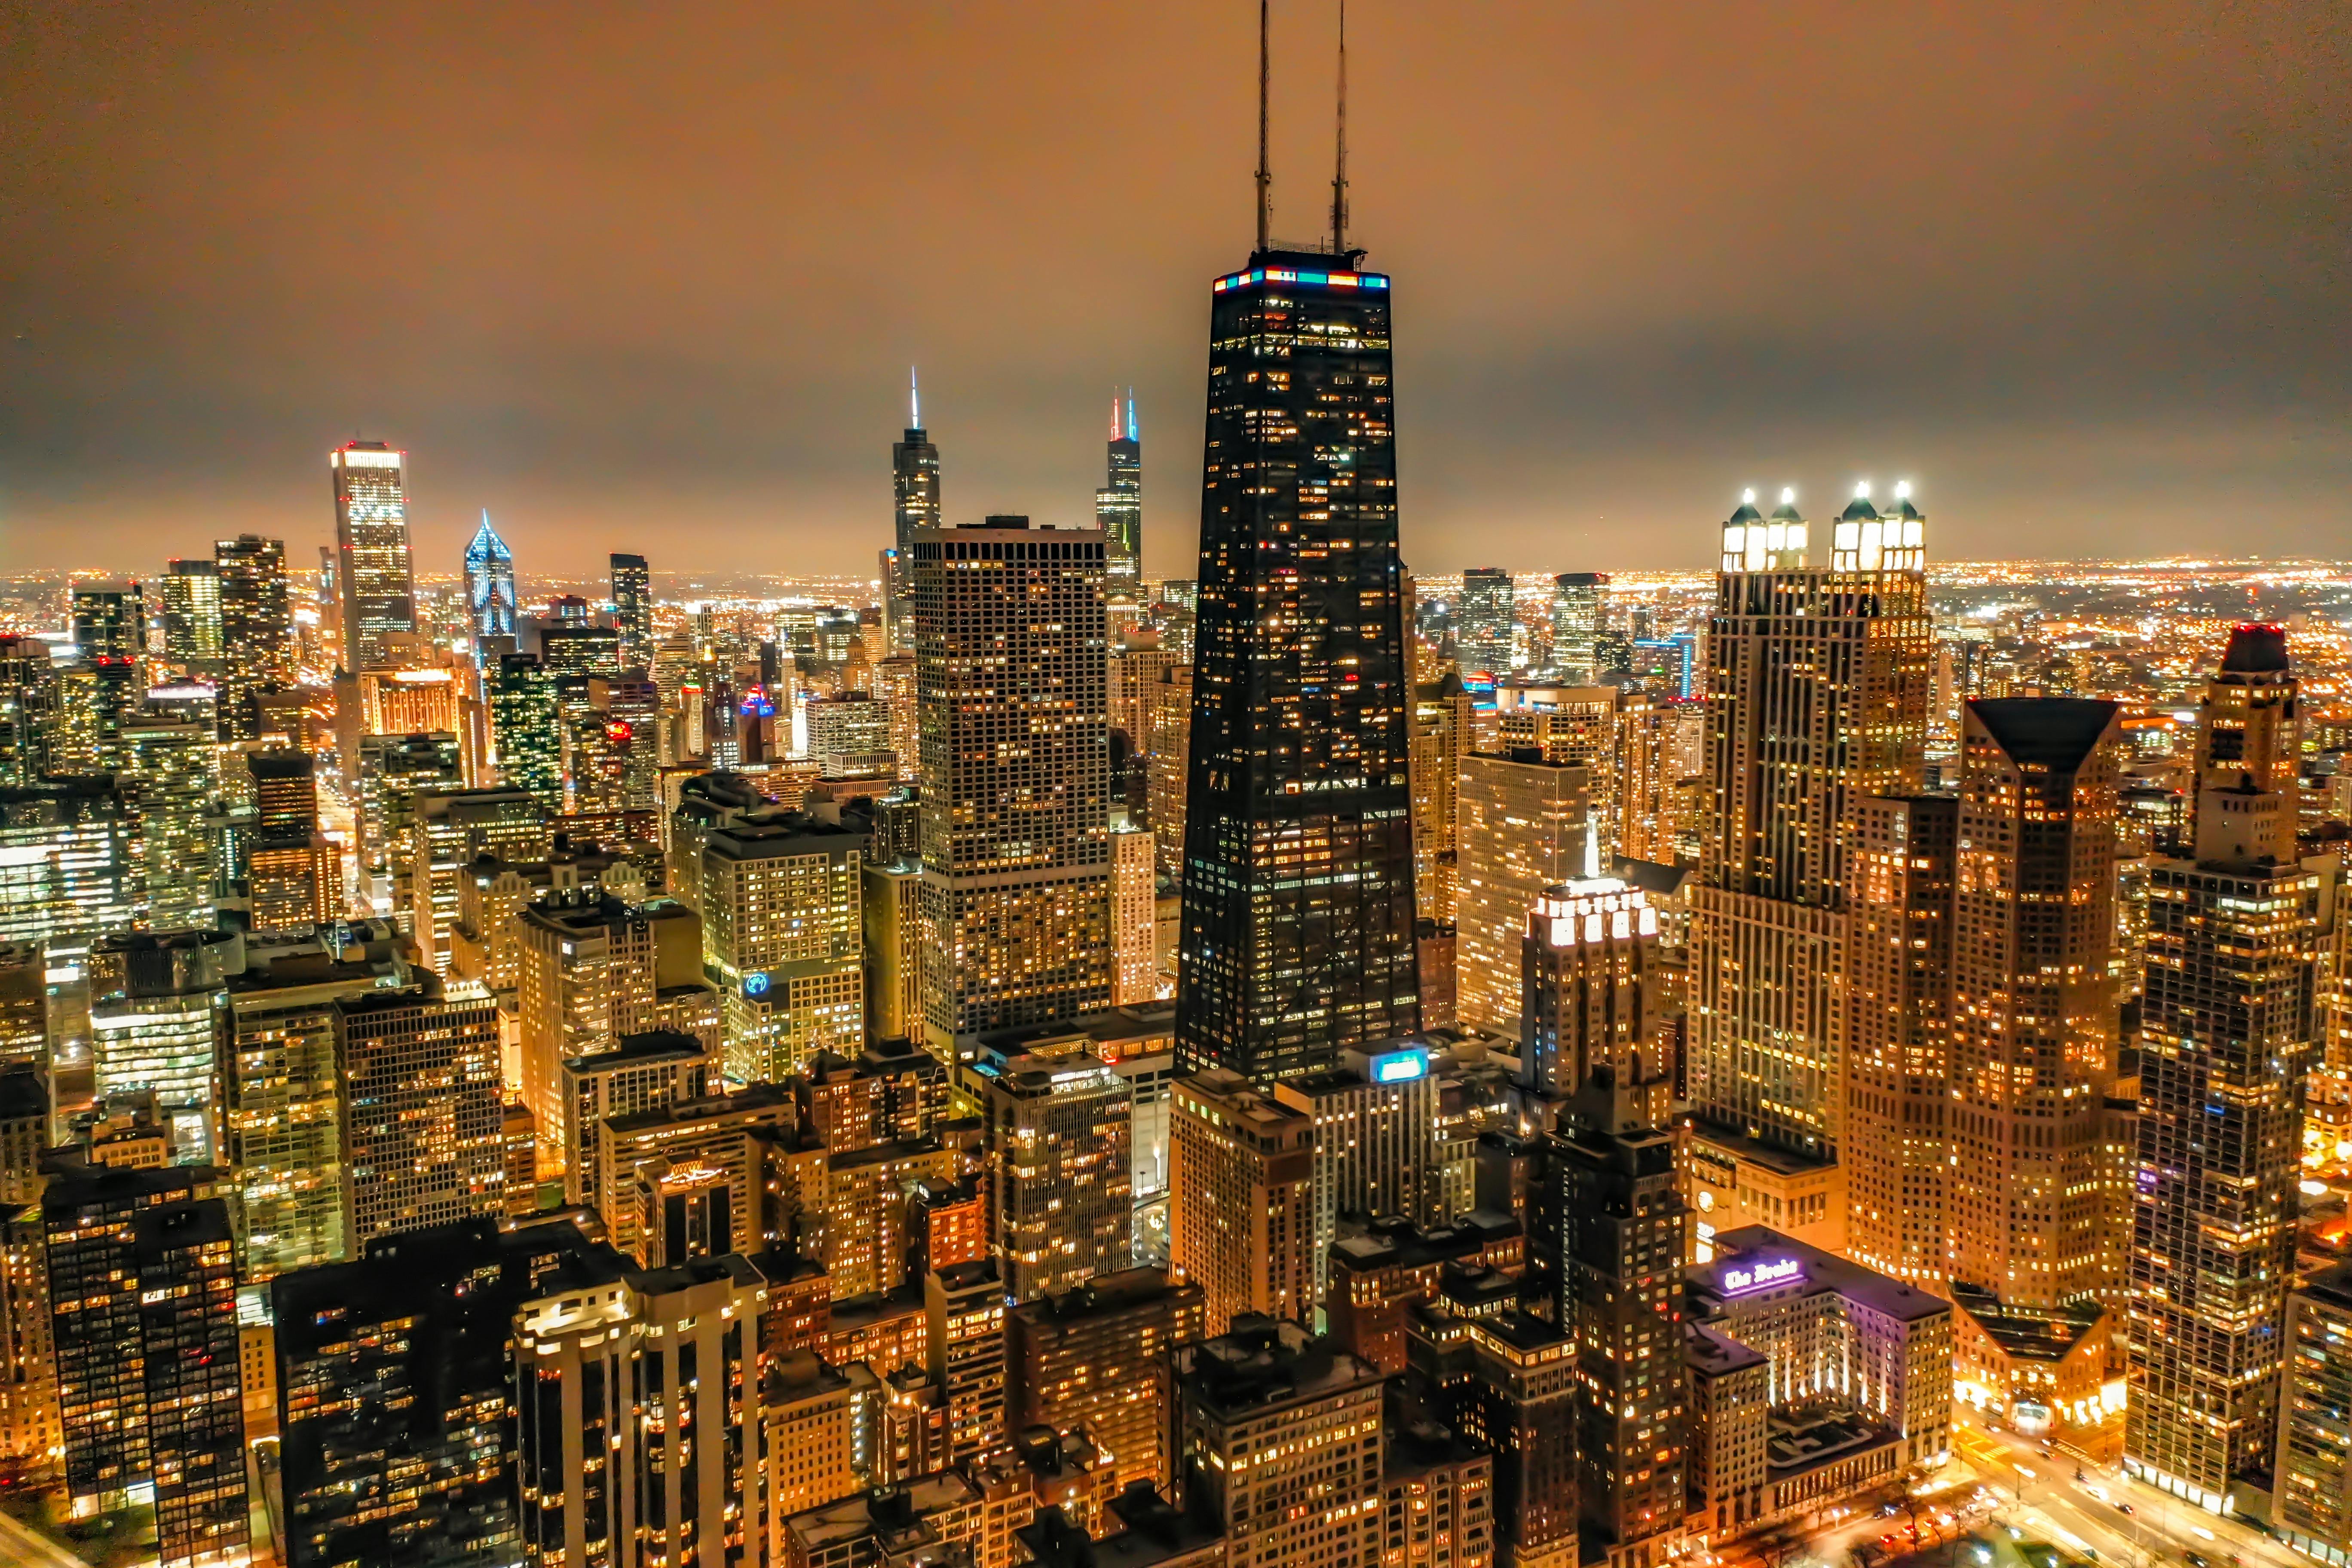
{"x":1747,"y":1277}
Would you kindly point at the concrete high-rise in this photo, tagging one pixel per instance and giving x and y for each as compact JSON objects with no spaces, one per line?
{"x":2227,"y":1034}
{"x":1258,"y":1438}
{"x":1897,"y":1019}
{"x":915,"y":494}
{"x":1241,"y":1184}
{"x":2033,"y":1030}
{"x":1119,"y":505}
{"x":375,"y":580}
{"x":1521,"y":827}
{"x":1060,"y":1188}
{"x":1016,"y":775}
{"x":1298,"y":937}
{"x":426,"y":1118}
{"x":1818,"y":684}
{"x":1100,"y":1356}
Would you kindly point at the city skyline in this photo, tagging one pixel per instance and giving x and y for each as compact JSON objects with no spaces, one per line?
{"x":2064,"y":371}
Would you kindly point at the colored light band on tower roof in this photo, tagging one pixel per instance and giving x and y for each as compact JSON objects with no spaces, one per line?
{"x":1285,"y":275}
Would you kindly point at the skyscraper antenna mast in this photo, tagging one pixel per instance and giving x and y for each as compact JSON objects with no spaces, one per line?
{"x":1339,"y":170}
{"x":1265,"y":175}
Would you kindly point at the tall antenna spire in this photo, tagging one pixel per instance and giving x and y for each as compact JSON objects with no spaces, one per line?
{"x":1130,"y":414}
{"x":1264,"y":174}
{"x":1114,"y":413}
{"x":914,"y":400}
{"x":1339,"y":169}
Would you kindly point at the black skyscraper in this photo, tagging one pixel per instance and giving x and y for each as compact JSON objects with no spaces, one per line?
{"x":1297,"y":940}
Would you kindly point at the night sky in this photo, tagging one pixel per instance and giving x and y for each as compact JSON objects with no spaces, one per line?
{"x":651,"y":277}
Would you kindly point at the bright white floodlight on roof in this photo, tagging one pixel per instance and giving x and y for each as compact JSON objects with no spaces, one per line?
{"x":1902,"y":489}
{"x":1862,"y":489}
{"x":1788,"y":494}
{"x":1747,"y":498}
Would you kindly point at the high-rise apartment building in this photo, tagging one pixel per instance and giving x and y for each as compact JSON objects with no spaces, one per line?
{"x":169,"y":775}
{"x":294,"y":877}
{"x":1817,"y":699}
{"x":1241,"y":1184}
{"x":1297,"y":934}
{"x":2311,"y":1506}
{"x":591,"y":970}
{"x":142,"y":1299}
{"x":915,"y":493}
{"x":257,"y":629}
{"x":1016,"y":775}
{"x":282,"y":1101}
{"x":427,"y":1115}
{"x":29,"y":712}
{"x":1901,"y":875}
{"x":69,"y":862}
{"x":1167,"y":765}
{"x":1060,"y":1188}
{"x":781,"y":895}
{"x":1119,"y":505}
{"x":2033,"y":1022}
{"x":1260,"y":1437}
{"x":1445,"y":730}
{"x":1134,"y":913}
{"x":632,"y":609}
{"x":675,"y":1469}
{"x":2227,"y":1034}
{"x":192,"y":616}
{"x":526,"y":726}
{"x":375,"y":582}
{"x":159,"y":1020}
{"x":1595,"y":1040}
{"x":396,"y":1440}
{"x":441,"y":832}
{"x":490,"y":602}
{"x":1483,"y":622}
{"x":1579,"y":601}
{"x":1099,"y":1358}
{"x":1522,"y":826}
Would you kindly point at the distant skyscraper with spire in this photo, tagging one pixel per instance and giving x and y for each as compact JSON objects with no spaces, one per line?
{"x":1119,"y":505}
{"x":915,"y":486}
{"x":1297,"y":934}
{"x":490,"y":589}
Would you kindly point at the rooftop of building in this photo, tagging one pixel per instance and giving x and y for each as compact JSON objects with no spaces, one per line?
{"x":2028,"y":1333}
{"x":730,"y":1267}
{"x":802,"y":1375}
{"x":1797,"y":1440}
{"x":1260,"y":1363}
{"x":23,"y":1093}
{"x":1121,"y":1032}
{"x":1711,"y":1353}
{"x":2257,"y":648}
{"x":602,"y":912}
{"x":889,"y":1057}
{"x":898,"y":1515}
{"x":774,"y":834}
{"x":2055,"y":732}
{"x":1395,"y":1243}
{"x":760,"y":1099}
{"x":641,"y":1049}
{"x":420,"y":1269}
{"x":851,"y":1313}
{"x":1664,"y":881}
{"x":1149,"y":1537}
{"x":2332,"y":1286}
{"x":1756,"y":1152}
{"x":1104,"y":1293}
{"x":1734,"y":1274}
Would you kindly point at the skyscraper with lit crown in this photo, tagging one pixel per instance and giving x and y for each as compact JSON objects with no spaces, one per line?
{"x":489,"y":590}
{"x":1119,"y":505}
{"x":1297,"y":935}
{"x":1818,"y":685}
{"x":915,"y":490}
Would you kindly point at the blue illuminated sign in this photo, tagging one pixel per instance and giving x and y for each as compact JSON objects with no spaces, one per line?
{"x":1399,"y":1067}
{"x":755,"y":986}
